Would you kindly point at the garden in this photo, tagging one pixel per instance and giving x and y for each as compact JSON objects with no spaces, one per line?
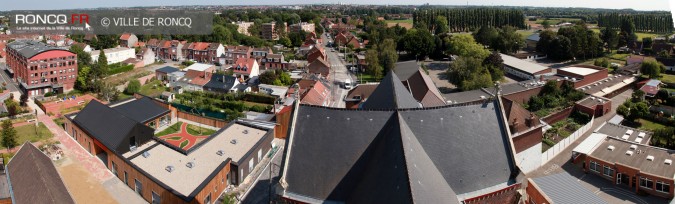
{"x":552,"y":98}
{"x":187,"y":139}
{"x":563,"y":129}
{"x":231,"y":105}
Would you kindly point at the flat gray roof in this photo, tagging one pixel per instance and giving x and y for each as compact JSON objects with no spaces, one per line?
{"x":607,"y":85}
{"x":185,"y":180}
{"x":522,"y":65}
{"x":638,"y":158}
{"x":626,"y":133}
{"x":564,"y":188}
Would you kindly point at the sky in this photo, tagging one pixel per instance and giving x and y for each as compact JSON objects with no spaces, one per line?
{"x":73,"y":4}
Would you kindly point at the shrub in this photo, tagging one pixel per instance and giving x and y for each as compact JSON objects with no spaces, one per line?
{"x":133,"y":87}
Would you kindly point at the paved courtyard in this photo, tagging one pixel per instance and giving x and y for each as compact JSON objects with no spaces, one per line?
{"x":183,"y":139}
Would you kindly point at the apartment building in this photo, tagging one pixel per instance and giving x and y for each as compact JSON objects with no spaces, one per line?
{"x":39,"y":68}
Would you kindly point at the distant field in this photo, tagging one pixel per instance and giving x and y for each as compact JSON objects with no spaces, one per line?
{"x":399,"y":21}
{"x":406,"y":23}
{"x":554,"y":21}
{"x":639,"y":35}
{"x":525,"y":33}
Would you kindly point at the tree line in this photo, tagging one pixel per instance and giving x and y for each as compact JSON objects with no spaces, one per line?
{"x":652,"y":22}
{"x":570,"y":42}
{"x":469,"y":19}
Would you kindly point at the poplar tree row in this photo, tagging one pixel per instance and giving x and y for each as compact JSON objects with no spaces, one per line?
{"x":469,"y":19}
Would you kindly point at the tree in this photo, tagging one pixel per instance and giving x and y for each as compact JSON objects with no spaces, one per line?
{"x":652,"y":68}
{"x":494,"y":64}
{"x":107,"y":91}
{"x":609,"y":38}
{"x":418,"y":42}
{"x":133,"y":87}
{"x":374,"y":67}
{"x":9,"y":137}
{"x":82,"y":82}
{"x":560,"y":48}
{"x":469,"y":74}
{"x":12,"y":106}
{"x":465,"y":45}
{"x":285,"y":41}
{"x":486,"y":35}
{"x":546,"y":24}
{"x":101,"y":67}
{"x":387,"y":54}
{"x":602,"y":62}
{"x":441,"y":25}
{"x":638,"y":95}
{"x":23,"y":99}
{"x":509,"y":41}
{"x":83,"y":58}
{"x":545,"y":40}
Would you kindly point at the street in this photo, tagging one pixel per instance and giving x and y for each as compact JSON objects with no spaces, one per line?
{"x":338,"y":75}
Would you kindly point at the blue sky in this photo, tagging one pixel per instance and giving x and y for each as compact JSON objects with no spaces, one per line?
{"x":71,"y":4}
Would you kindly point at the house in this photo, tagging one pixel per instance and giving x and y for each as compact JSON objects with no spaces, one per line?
{"x":594,"y":106}
{"x":559,"y":188}
{"x":153,"y":44}
{"x":319,"y":67}
{"x":167,"y":96}
{"x":669,"y":63}
{"x":203,"y":52}
{"x":246,"y":68}
{"x":524,"y":69}
{"x":85,"y":47}
{"x":162,"y":74}
{"x":222,"y":83}
{"x":275,"y":61}
{"x":146,"y":55}
{"x":27,"y":60}
{"x":196,"y":76}
{"x":261,"y":53}
{"x":170,"y":49}
{"x":651,"y":87}
{"x":658,"y":48}
{"x":269,"y":31}
{"x":128,"y":40}
{"x":531,"y":41}
{"x":358,"y":95}
{"x":114,"y":55}
{"x":137,"y":63}
{"x":154,"y":168}
{"x":316,"y":52}
{"x":232,"y":53}
{"x":396,"y":152}
{"x":33,"y":178}
{"x":311,"y":92}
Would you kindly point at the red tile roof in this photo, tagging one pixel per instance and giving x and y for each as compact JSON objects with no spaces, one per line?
{"x":243,"y":65}
{"x":125,"y":36}
{"x":312,"y":92}
{"x":198,"y":78}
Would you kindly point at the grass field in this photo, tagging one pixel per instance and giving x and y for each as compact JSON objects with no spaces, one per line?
{"x":554,"y":21}
{"x":152,"y":89}
{"x":524,"y":33}
{"x":365,"y":78}
{"x":399,"y":21}
{"x":668,"y":78}
{"x":195,"y":130}
{"x":170,"y":130}
{"x":31,"y":134}
{"x":649,"y":125}
{"x":639,"y":35}
{"x":184,"y":143}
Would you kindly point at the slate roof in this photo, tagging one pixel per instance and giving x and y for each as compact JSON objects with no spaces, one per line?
{"x":563,"y":188}
{"x":396,"y":156}
{"x":34,"y":178}
{"x":406,"y":69}
{"x":30,"y":48}
{"x":167,"y":69}
{"x":533,"y":37}
{"x":219,"y":82}
{"x":110,"y":127}
{"x":390,"y":94}
{"x":468,"y":96}
{"x":141,"y":110}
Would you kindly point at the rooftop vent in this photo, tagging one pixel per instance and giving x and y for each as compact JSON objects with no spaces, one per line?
{"x":629,"y":153}
{"x":650,"y":157}
{"x":190,"y":164}
{"x":170,"y":168}
{"x":611,"y":148}
{"x":132,"y":148}
{"x":146,"y":154}
{"x":245,"y":131}
{"x":220,"y":152}
{"x":234,"y":141}
{"x":668,"y":162}
{"x":633,"y":147}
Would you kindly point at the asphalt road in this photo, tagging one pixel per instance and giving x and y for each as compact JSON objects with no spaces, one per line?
{"x":338,"y":75}
{"x":5,"y":78}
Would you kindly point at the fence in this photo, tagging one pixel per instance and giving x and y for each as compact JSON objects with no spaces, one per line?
{"x":203,"y":120}
{"x":557,"y":148}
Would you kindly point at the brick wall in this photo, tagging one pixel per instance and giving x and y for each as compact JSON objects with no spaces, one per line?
{"x":558,"y":116}
{"x":528,"y":139}
{"x":633,"y":173}
{"x":534,"y":194}
{"x":203,"y":120}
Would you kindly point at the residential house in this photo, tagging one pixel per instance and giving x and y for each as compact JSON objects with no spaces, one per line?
{"x":242,"y":27}
{"x":128,"y":40}
{"x":85,"y":47}
{"x":194,"y":79}
{"x":275,"y":61}
{"x":531,"y":41}
{"x":114,"y":55}
{"x":311,"y":92}
{"x":33,"y":178}
{"x":203,"y":52}
{"x":277,"y":91}
{"x":319,"y":67}
{"x":246,"y":68}
{"x":154,"y":45}
{"x":261,"y":53}
{"x":171,"y":49}
{"x":651,"y":87}
{"x":317,"y":52}
{"x":163,"y":73}
{"x":222,"y":83}
{"x":302,"y":26}
{"x":359,"y":94}
{"x":232,"y":53}
{"x":146,"y":55}
{"x":668,"y":62}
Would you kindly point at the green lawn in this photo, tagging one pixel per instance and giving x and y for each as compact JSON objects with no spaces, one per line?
{"x":399,"y":21}
{"x":649,"y":125}
{"x":639,"y":35}
{"x":668,"y":78}
{"x":30,"y":133}
{"x":153,"y":89}
{"x":174,"y":138}
{"x":554,"y":21}
{"x":170,"y":130}
{"x":365,"y":78}
{"x":524,"y":33}
{"x":184,"y":143}
{"x":195,"y":130}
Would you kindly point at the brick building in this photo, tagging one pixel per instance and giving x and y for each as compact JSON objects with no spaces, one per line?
{"x":39,"y":69}
{"x":269,"y":31}
{"x":583,"y":75}
{"x":304,"y":26}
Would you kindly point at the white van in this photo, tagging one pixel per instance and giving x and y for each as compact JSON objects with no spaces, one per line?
{"x":348,"y":84}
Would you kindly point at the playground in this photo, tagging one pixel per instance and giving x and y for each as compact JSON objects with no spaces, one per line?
{"x":184,"y":135}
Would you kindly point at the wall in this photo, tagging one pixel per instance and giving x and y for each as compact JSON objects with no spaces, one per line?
{"x":283,"y":122}
{"x":530,"y":159}
{"x":527,"y":139}
{"x":524,"y":96}
{"x":509,"y":194}
{"x":634,"y":174}
{"x":203,"y":120}
{"x":264,"y":147}
{"x":557,"y":148}
{"x":558,"y":116}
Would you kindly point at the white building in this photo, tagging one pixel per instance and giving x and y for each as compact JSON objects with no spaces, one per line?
{"x":307,"y":27}
{"x":114,"y":55}
{"x":242,"y":27}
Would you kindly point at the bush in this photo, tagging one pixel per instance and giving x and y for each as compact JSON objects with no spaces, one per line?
{"x":117,"y":68}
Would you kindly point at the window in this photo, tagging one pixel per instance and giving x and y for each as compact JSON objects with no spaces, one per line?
{"x":595,"y":167}
{"x":132,"y":141}
{"x":250,"y":165}
{"x":207,"y":200}
{"x":608,"y":171}
{"x":126,"y":178}
{"x":662,"y":187}
{"x":646,"y":183}
{"x":155,"y":198}
{"x":259,"y":155}
{"x":139,"y":187}
{"x":114,"y":168}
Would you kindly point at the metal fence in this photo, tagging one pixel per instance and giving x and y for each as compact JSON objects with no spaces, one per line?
{"x":557,"y":148}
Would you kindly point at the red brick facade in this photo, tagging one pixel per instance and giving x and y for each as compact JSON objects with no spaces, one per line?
{"x":51,"y":70}
{"x":527,"y":139}
{"x":630,"y":177}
